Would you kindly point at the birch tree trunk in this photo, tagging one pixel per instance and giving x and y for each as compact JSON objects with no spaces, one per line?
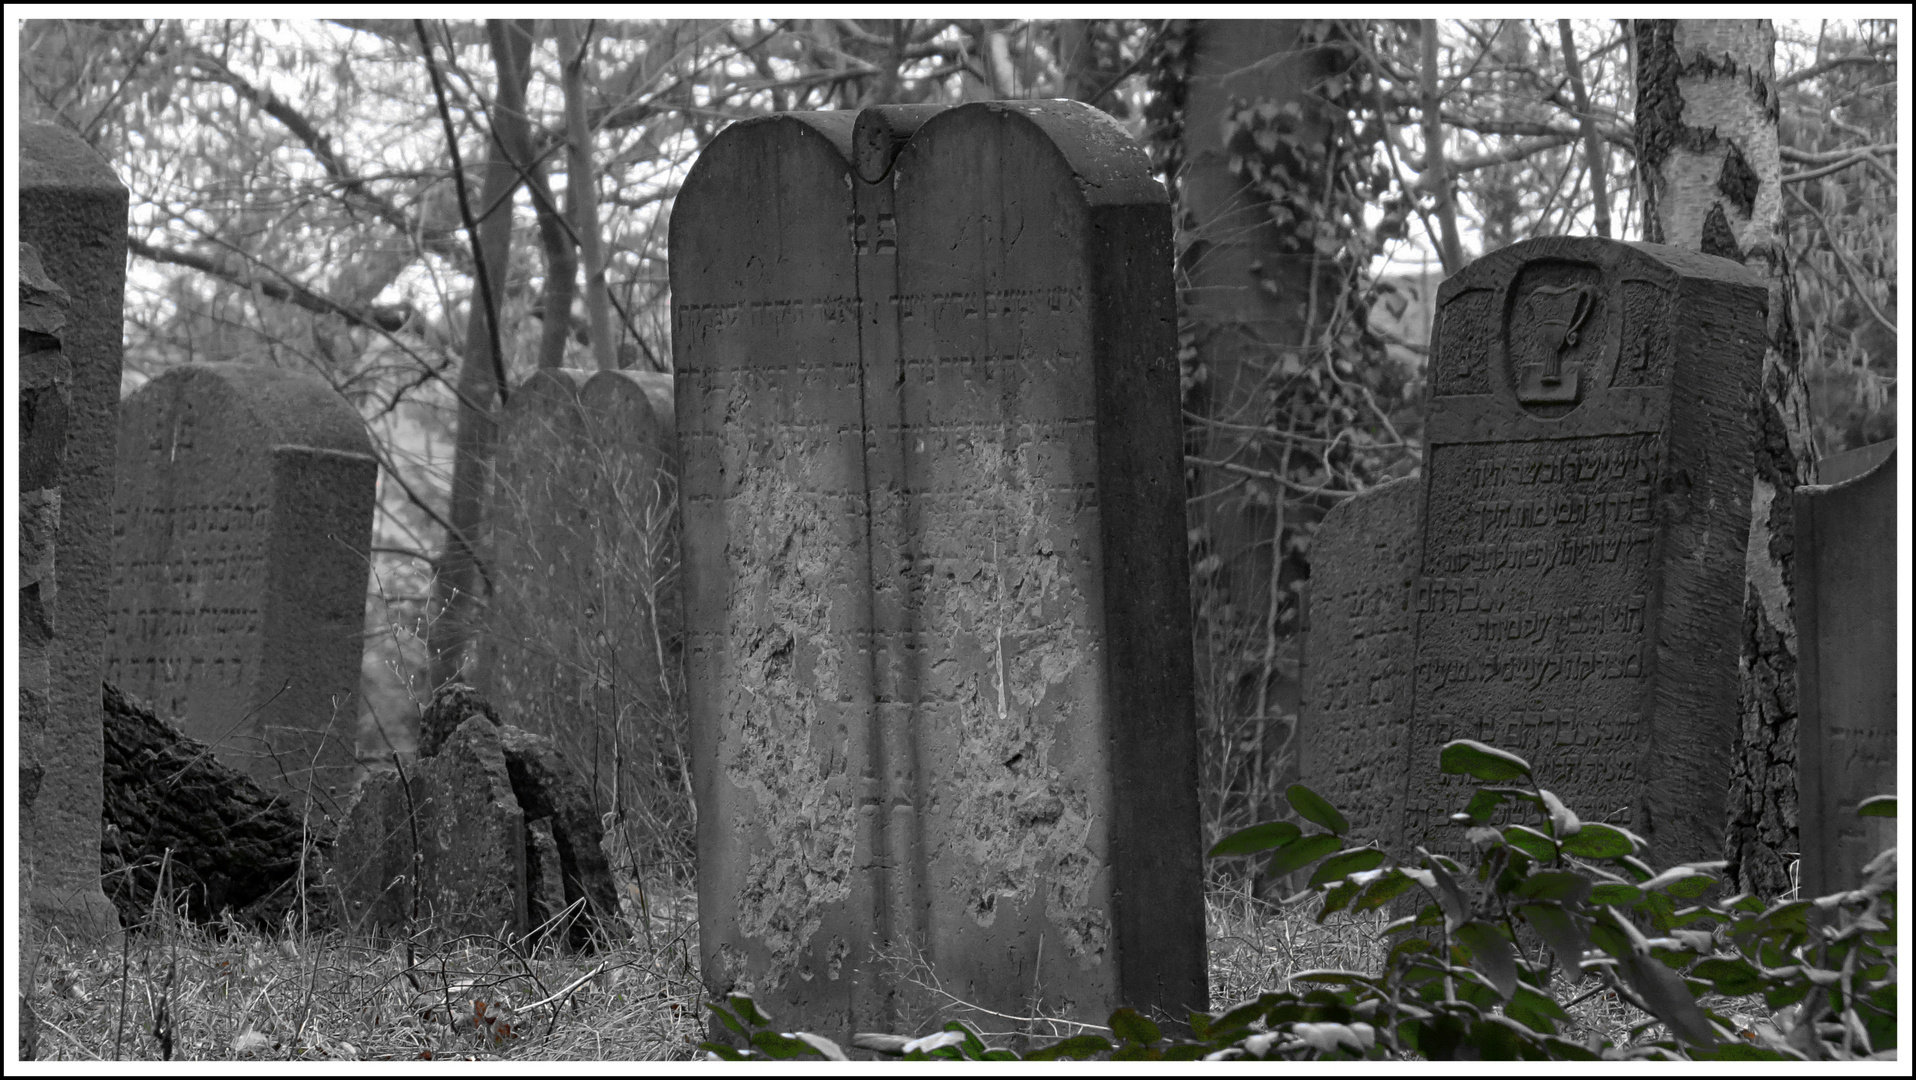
{"x":1709,"y":171}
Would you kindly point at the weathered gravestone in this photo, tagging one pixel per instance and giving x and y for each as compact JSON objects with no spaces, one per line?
{"x":1579,"y":570}
{"x":1357,"y":656}
{"x":579,"y":637}
{"x":489,"y":830}
{"x":241,"y":527}
{"x":73,"y":214}
{"x":937,"y":655}
{"x":1846,"y":666}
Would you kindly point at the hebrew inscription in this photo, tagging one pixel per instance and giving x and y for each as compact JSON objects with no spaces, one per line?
{"x":1579,"y":572}
{"x":240,"y":533}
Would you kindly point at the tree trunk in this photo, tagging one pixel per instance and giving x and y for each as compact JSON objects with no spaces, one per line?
{"x":1709,"y":172}
{"x":582,"y":193}
{"x":1252,"y":303}
{"x":458,"y":580}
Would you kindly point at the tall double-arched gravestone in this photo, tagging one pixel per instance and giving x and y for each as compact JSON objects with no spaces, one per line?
{"x":73,"y":215}
{"x":241,"y":525}
{"x":938,"y":656}
{"x":580,"y":640}
{"x":1846,"y":664}
{"x":1580,"y":571}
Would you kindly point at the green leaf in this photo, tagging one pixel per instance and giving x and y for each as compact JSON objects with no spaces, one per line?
{"x":1732,"y":976}
{"x":1615,"y":892}
{"x":1335,"y":976}
{"x":780,"y":1047}
{"x":970,"y":1043}
{"x":1450,"y":896}
{"x":1481,"y":761}
{"x":1302,"y":852}
{"x":1256,"y":838}
{"x":1380,"y":892}
{"x":748,"y":1011}
{"x":1483,"y":803}
{"x":1640,"y":871}
{"x":1345,"y":863}
{"x":1077,"y":1048}
{"x":725,"y":1017}
{"x":1597,"y":840}
{"x":1562,"y":820}
{"x":1681,"y":882}
{"x":1491,"y":954}
{"x":1559,"y":931}
{"x":1877,"y":806}
{"x":1663,"y":991}
{"x":1565,"y":885}
{"x":726,"y":1052}
{"x":1530,"y":842}
{"x":1739,"y":1051}
{"x":1336,"y":897}
{"x":1790,"y":916}
{"x":1311,"y":807}
{"x":1128,"y":1025}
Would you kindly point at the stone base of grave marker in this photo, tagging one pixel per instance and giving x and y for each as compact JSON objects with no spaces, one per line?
{"x":241,"y":532}
{"x":1847,"y":661}
{"x":938,"y":659}
{"x":73,"y":214}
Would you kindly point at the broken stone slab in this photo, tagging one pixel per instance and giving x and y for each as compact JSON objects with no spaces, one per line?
{"x":560,"y":868}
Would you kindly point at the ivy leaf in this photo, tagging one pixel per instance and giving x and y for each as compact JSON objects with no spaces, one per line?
{"x":825,"y":1047}
{"x":1312,"y":808}
{"x":781,"y":1047}
{"x":1481,"y":761}
{"x":1682,"y":882}
{"x":1256,"y":838}
{"x":1345,"y":863}
{"x":1615,"y":892}
{"x":1483,"y":803}
{"x":1302,"y":852}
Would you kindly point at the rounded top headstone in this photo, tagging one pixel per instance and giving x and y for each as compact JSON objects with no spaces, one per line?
{"x":53,"y":157}
{"x":1109,"y":166}
{"x":288,"y":408}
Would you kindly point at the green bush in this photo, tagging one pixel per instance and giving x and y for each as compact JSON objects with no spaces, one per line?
{"x":1469,"y":976}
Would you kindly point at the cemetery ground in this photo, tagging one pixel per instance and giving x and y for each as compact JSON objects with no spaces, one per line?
{"x":224,"y":992}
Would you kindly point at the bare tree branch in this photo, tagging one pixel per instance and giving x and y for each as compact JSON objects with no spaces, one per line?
{"x":388,"y":319}
{"x":1826,"y":66}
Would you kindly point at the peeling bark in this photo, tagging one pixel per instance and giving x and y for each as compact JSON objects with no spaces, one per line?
{"x":1711,"y":177}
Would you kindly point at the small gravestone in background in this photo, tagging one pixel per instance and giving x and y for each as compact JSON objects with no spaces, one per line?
{"x":73,"y":214}
{"x":1580,"y":579}
{"x":579,"y":643}
{"x":1847,"y":662}
{"x":241,"y":528}
{"x":938,"y":657}
{"x":1352,"y":746}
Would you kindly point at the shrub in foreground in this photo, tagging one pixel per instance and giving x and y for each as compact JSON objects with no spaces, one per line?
{"x":1470,"y":974}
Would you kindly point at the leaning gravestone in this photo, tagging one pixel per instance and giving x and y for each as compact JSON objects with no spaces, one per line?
{"x":937,"y":634}
{"x":241,"y":528}
{"x":1357,"y":656}
{"x":1579,"y":576}
{"x":578,"y":634}
{"x":1846,"y":667}
{"x":73,"y":214}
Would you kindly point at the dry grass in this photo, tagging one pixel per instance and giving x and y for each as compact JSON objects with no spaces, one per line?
{"x":225,"y":993}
